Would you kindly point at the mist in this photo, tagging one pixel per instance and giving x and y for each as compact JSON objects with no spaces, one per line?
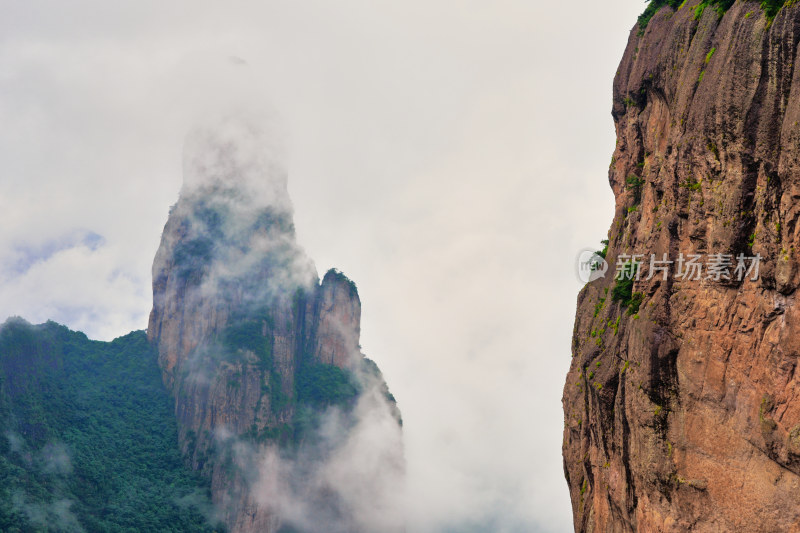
{"x":229,"y":250}
{"x":450,"y":161}
{"x":348,"y":476}
{"x":53,"y":460}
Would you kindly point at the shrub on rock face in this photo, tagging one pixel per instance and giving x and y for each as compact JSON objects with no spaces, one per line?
{"x":770,"y":7}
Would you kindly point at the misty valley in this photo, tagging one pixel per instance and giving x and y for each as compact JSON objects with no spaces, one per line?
{"x":246,"y":405}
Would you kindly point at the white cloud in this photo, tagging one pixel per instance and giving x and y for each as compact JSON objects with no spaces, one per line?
{"x":449,"y":159}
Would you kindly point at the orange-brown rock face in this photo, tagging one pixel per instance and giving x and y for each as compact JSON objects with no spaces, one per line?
{"x":259,"y":354}
{"x":684,"y":413}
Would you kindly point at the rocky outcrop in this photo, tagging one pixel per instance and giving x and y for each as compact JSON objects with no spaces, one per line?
{"x":682,"y":404}
{"x":255,"y":350}
{"x":337,"y":317}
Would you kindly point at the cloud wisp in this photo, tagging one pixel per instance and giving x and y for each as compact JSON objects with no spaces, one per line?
{"x":451,"y":161}
{"x":276,"y":403}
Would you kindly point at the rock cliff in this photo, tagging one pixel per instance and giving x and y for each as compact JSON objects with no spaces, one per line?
{"x":682,"y":404}
{"x":272,"y":394}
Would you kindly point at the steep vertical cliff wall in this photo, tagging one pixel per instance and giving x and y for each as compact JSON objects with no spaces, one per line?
{"x":682,"y":404}
{"x":272,"y":395}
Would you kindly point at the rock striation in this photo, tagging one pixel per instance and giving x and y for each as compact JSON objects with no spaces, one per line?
{"x":682,"y":403}
{"x":263,"y":360}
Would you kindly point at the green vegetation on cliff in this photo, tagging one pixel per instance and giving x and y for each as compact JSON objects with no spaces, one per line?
{"x":321,"y":385}
{"x":317,"y":386}
{"x":770,"y":7}
{"x":89,"y":441}
{"x":337,"y":275}
{"x":623,"y":289}
{"x":652,"y":8}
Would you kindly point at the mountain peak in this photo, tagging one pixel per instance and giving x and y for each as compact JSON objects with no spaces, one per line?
{"x":258,"y":354}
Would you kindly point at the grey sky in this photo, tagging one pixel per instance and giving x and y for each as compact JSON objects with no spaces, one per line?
{"x":450,"y":157}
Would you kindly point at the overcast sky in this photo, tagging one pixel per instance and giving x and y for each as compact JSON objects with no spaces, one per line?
{"x":450,"y":157}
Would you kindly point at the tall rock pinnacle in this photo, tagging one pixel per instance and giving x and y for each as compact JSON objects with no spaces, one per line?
{"x":274,"y":400}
